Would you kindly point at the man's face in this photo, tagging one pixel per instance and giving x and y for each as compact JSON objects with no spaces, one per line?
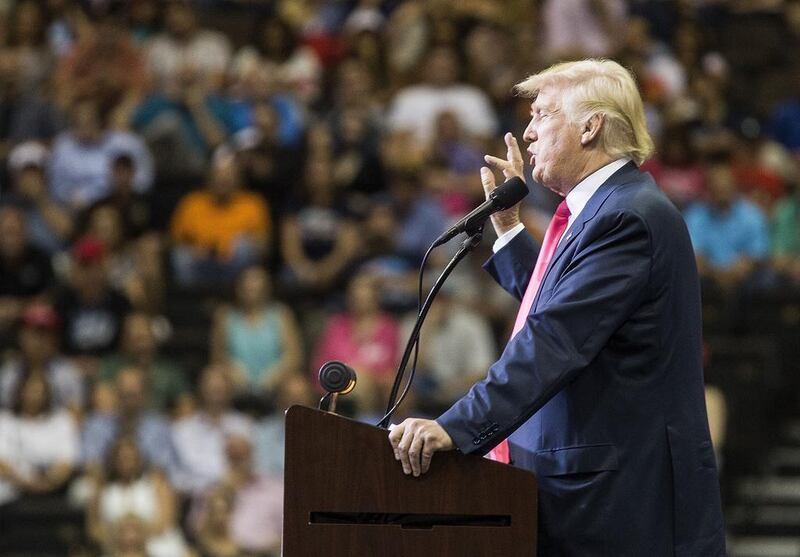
{"x":555,"y":142}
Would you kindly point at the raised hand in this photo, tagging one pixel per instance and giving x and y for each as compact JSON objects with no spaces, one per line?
{"x":511,"y":166}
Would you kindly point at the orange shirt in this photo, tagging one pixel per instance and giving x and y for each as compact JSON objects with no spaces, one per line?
{"x":199,"y":221}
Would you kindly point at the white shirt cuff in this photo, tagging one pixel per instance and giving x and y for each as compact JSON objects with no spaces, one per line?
{"x":506,"y":237}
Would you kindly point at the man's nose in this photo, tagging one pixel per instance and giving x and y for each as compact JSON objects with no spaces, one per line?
{"x":530,"y":134}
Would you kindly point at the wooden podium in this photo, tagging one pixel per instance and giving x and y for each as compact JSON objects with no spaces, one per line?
{"x":346,"y":496}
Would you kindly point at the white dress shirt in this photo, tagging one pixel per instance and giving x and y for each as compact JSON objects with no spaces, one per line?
{"x":576,"y":199}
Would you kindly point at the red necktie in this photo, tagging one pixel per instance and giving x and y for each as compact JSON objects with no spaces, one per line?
{"x":557,"y":226}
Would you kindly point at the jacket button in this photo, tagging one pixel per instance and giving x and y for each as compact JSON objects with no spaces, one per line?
{"x":476,"y":441}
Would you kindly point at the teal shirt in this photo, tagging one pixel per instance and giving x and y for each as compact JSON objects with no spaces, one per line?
{"x":256,"y":345}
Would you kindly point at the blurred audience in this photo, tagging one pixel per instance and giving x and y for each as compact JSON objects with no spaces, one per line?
{"x":456,"y":350}
{"x":269,"y":433}
{"x":333,"y":141}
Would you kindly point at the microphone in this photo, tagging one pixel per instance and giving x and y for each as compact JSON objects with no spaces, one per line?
{"x":505,"y":196}
{"x":337,"y":377}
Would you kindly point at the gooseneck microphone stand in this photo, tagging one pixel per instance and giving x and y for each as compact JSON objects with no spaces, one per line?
{"x":467,"y":245}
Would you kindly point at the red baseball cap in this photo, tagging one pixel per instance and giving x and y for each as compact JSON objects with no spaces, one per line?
{"x":88,"y":249}
{"x":41,"y":315}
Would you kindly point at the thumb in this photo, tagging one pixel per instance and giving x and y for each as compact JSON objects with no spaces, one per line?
{"x":487,"y":180}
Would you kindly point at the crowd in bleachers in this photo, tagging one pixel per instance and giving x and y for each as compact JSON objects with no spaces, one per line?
{"x":284,"y":165}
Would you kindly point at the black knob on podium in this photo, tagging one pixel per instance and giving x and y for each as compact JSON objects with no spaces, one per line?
{"x":337,"y":377}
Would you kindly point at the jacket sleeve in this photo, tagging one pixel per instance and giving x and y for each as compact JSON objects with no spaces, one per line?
{"x":512,"y":266}
{"x":600,"y":288}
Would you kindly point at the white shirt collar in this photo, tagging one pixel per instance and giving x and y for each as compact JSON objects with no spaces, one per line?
{"x":580,"y":194}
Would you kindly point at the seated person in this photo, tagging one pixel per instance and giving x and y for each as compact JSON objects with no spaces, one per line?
{"x":131,"y":414}
{"x":39,"y":355}
{"x":203,"y":255}
{"x":39,"y":445}
{"x":730,"y":234}
{"x":167,"y":387}
{"x":200,"y":438}
{"x":92,"y":310}
{"x":131,"y":488}
{"x":258,"y":334}
{"x":25,"y":271}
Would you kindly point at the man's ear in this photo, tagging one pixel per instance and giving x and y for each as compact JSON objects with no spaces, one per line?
{"x":591,"y":130}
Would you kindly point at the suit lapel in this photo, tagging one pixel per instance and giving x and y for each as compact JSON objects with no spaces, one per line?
{"x":622,"y":176}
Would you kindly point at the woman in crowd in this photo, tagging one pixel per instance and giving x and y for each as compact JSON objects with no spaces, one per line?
{"x":130,"y":489}
{"x":258,"y":334}
{"x":366,"y":338}
{"x":38,"y":445}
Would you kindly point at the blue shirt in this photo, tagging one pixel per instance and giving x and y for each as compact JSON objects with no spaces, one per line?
{"x":725,"y":237}
{"x":80,"y":173}
{"x":153,"y":437}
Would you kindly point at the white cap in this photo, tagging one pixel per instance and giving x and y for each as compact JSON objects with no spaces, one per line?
{"x":30,"y":153}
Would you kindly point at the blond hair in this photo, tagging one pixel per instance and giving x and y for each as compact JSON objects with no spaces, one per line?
{"x":598,"y":86}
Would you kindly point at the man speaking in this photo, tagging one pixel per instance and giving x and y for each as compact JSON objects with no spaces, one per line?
{"x":599,"y":391}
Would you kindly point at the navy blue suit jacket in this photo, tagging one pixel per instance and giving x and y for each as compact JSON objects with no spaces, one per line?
{"x":601,"y":392}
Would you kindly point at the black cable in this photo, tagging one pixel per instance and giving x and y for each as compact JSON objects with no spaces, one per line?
{"x":398,"y":379}
{"x":413,"y":340}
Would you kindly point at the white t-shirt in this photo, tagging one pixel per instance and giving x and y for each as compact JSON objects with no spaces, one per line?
{"x":200,"y":446}
{"x":416,"y":109}
{"x":30,"y":445}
